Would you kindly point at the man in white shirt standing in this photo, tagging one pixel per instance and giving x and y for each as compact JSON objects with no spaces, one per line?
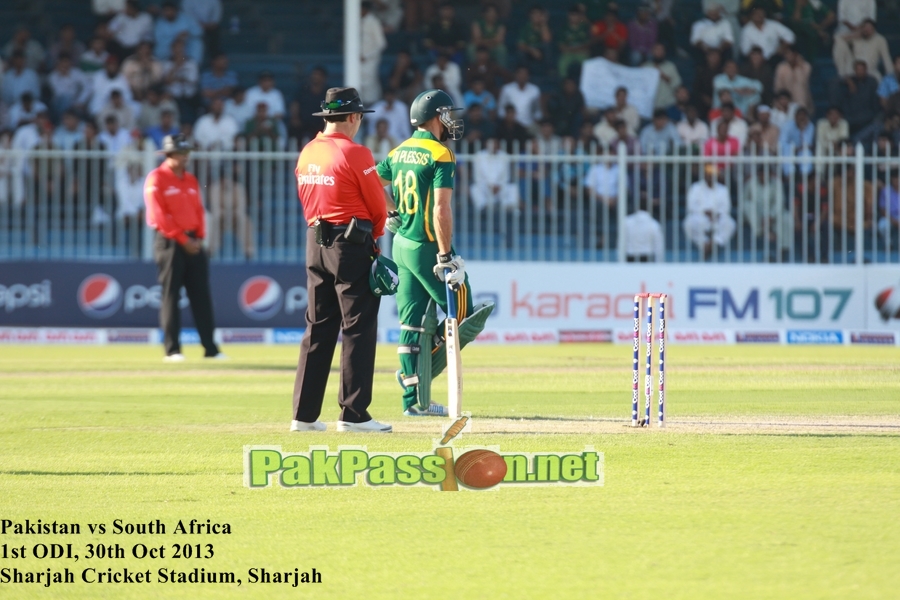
{"x":491,"y":179}
{"x":644,"y":240}
{"x":395,"y":112}
{"x":852,"y":13}
{"x":266,"y":93}
{"x":215,"y":130}
{"x":451,"y":75}
{"x":768,"y":34}
{"x":104,"y":82}
{"x":525,"y":96}
{"x":371,"y":46}
{"x":709,"y":219}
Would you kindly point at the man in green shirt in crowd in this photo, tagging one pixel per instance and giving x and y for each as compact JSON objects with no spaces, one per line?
{"x":422,"y":172}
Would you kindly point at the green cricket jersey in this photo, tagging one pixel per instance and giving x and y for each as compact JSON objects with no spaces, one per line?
{"x":416,"y":168}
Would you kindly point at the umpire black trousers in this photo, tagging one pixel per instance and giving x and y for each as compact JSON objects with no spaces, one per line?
{"x":340,"y":301}
{"x":176,"y":269}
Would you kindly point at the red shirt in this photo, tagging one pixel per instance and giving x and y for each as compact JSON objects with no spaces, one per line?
{"x":173,"y":204}
{"x":617,"y":36}
{"x":336,"y":180}
{"x":730,"y":147}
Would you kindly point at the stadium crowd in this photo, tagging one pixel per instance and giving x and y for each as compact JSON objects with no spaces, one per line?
{"x":160,"y":68}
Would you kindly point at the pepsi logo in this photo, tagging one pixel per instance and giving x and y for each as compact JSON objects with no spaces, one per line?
{"x":260,"y":298}
{"x":99,"y":296}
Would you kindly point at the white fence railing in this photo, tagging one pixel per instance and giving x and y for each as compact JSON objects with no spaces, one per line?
{"x":547,"y":203}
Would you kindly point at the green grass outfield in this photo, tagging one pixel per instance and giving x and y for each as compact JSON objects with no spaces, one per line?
{"x":90,"y":435}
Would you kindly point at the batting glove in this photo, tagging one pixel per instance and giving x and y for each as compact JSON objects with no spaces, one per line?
{"x":393,"y":221}
{"x":455,"y":264}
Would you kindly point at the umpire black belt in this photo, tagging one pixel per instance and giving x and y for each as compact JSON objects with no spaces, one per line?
{"x":357,"y":231}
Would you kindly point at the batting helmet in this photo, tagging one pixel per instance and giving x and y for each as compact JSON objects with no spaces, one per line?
{"x":436,"y":103}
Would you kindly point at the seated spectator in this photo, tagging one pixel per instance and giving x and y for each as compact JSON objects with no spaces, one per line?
{"x":492,"y":183}
{"x":215,"y":130}
{"x":142,"y":70}
{"x":478,"y":126}
{"x":889,"y":210}
{"x":574,"y":43}
{"x":477,"y":94}
{"x":172,"y":24}
{"x":623,"y":136}
{"x":712,"y":33}
{"x":488,"y":32}
{"x":66,"y":43}
{"x":642,"y":35}
{"x":704,"y":78}
{"x":181,"y":76}
{"x":798,"y":138}
{"x":308,"y":100}
{"x":241,"y":110}
{"x":266,"y":92}
{"x":566,"y":108}
{"x":692,"y":130}
{"x":395,"y":112}
{"x":547,"y":142}
{"x":114,"y":137}
{"x":722,"y":144}
{"x":831,"y":130}
{"x":737,"y":126}
{"x":659,"y":136}
{"x":90,"y":181}
{"x":682,"y":100}
{"x":866,"y":45}
{"x":602,"y":181}
{"x":265,"y":128}
{"x":769,"y":133}
{"x":745,"y":92}
{"x":406,"y":77}
{"x":764,"y":210}
{"x":167,"y":126}
{"x":851,"y":14}
{"x":107,"y":9}
{"x":485,"y":68}
{"x":32,"y":51}
{"x":446,"y":35}
{"x":219,"y":81}
{"x":757,"y":69}
{"x":792,"y":75}
{"x":228,"y":206}
{"x":811,"y":22}
{"x":627,"y":112}
{"x":609,"y":33}
{"x":154,"y":103}
{"x":128,"y":29}
{"x":511,"y":131}
{"x":450,"y":73}
{"x":724,"y":98}
{"x":605,"y":129}
{"x":843,"y":203}
{"x":69,"y":132}
{"x":857,"y":97}
{"x":534,"y":44}
{"x":768,"y":34}
{"x":783,"y":108}
{"x":525,"y":96}
{"x":669,"y":78}
{"x":709,"y":221}
{"x":104,"y":82}
{"x":889,"y":84}
{"x":69,"y":87}
{"x":372,"y":46}
{"x":25,"y":110}
{"x":17,"y":80}
{"x":93,"y":59}
{"x":380,"y":141}
{"x":390,"y":13}
{"x":644,"y":239}
{"x":208,"y":14}
{"x":117,"y":107}
{"x":128,"y":180}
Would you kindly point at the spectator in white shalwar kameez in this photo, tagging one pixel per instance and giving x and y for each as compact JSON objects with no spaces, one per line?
{"x":709,"y":217}
{"x":492,"y":178}
{"x":644,"y":241}
{"x":371,"y":47}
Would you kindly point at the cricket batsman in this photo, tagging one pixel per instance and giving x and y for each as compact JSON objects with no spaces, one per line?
{"x":422,"y":172}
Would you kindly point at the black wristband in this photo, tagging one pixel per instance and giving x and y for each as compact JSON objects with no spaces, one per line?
{"x":444,"y":258}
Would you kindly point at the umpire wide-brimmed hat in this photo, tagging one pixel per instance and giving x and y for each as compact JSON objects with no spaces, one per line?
{"x":175,"y":144}
{"x":341,"y":101}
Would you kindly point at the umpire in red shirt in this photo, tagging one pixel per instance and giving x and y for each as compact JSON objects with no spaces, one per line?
{"x":345,"y":208}
{"x":175,"y":211}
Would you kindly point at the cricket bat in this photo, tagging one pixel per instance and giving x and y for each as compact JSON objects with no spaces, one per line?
{"x":454,"y":360}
